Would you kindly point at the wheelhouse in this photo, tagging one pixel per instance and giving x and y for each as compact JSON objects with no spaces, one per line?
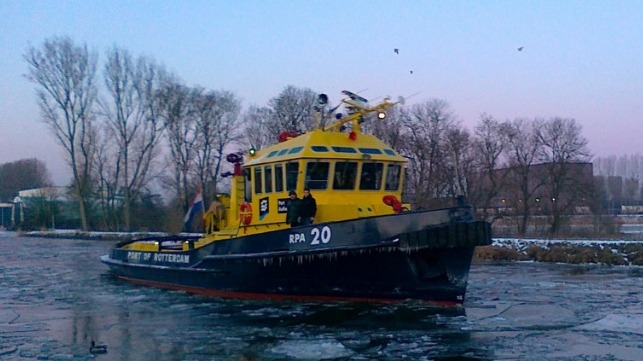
{"x":347,"y":175}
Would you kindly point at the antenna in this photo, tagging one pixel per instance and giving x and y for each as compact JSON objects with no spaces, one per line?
{"x":411,"y":96}
{"x":355,"y":101}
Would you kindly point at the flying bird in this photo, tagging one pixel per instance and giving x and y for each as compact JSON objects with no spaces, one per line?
{"x":397,"y":51}
{"x":520,"y":48}
{"x":411,"y":71}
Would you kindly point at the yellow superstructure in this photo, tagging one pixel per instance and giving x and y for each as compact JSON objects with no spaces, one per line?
{"x":349,"y":173}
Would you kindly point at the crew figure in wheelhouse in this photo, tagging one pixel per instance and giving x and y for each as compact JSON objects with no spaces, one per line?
{"x":294,"y":209}
{"x":308,"y":208}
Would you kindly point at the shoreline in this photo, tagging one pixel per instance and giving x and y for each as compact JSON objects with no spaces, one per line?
{"x":626,"y":252}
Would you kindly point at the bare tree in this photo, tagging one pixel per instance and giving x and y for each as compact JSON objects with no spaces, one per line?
{"x":388,"y":129}
{"x":619,"y":176}
{"x":562,"y":147}
{"x":42,"y":207}
{"x":615,"y":193}
{"x":605,"y":166}
{"x":521,"y":151}
{"x":132,"y":120}
{"x":634,"y":166}
{"x":256,"y":122}
{"x":459,"y":162}
{"x":22,"y":174}
{"x":489,"y":176}
{"x":106,"y":165}
{"x":622,"y":165}
{"x":64,"y":75}
{"x":176,"y":109}
{"x":426,"y":126}
{"x":292,"y":110}
{"x":637,"y":173}
{"x":217,"y":117}
{"x":631,"y":188}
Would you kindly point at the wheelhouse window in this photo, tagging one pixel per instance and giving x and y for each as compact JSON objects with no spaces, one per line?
{"x":267,"y":178}
{"x":345,"y":175}
{"x":273,"y":153}
{"x":248,"y":183}
{"x":317,"y":175}
{"x":279,"y":178}
{"x":292,"y":173}
{"x":319,"y":148}
{"x":344,"y":150}
{"x":371,"y":178}
{"x":370,"y":150}
{"x":258,"y":188}
{"x":393,"y":172}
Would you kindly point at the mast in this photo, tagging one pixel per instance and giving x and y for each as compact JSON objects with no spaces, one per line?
{"x":358,"y":107}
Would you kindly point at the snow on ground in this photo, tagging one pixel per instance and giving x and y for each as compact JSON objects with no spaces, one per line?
{"x":522,"y":243}
{"x":601,"y":251}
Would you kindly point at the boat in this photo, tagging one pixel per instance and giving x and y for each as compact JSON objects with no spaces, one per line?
{"x":365,"y":244}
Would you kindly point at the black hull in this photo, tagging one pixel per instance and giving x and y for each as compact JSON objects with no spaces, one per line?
{"x":429,"y":263}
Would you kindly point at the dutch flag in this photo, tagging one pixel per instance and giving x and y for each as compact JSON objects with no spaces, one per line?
{"x":197,"y":206}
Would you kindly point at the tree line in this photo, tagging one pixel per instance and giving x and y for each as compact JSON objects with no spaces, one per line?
{"x":130,"y":128}
{"x":497,"y":159}
{"x":22,"y":174}
{"x":140,"y":128}
{"x":620,"y":179}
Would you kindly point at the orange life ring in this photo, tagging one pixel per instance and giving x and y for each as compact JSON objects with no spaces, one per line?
{"x":245,"y":213}
{"x":393,"y":202}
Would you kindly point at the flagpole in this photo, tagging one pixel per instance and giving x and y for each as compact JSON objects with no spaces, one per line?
{"x":191,"y":213}
{"x":202,"y":210}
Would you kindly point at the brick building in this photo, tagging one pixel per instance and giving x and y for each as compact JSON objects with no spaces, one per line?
{"x":566,"y":187}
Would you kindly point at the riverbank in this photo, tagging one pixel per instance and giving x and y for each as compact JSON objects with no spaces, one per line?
{"x":575,"y":251}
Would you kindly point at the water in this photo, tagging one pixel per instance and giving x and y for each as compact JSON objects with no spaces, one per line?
{"x":55,"y":298}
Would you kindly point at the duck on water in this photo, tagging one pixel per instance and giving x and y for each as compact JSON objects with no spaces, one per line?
{"x":365,"y":244}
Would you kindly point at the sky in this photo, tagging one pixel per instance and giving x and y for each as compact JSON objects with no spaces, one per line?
{"x":579,"y":59}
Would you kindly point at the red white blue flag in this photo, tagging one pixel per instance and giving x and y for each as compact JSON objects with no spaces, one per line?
{"x":195,"y":208}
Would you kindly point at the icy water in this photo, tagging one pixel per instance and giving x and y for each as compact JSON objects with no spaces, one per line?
{"x":56,"y":297}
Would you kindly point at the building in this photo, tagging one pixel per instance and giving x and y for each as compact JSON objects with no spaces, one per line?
{"x":5,"y":215}
{"x":566,"y":187}
{"x":49,"y":193}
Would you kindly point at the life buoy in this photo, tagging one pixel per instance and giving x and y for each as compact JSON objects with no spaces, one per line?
{"x":245,"y":213}
{"x":393,"y":202}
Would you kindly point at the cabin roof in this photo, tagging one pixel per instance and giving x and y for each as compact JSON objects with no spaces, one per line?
{"x":319,"y":144}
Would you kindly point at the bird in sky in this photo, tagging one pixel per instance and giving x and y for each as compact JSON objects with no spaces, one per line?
{"x":520,"y":48}
{"x":397,"y":51}
{"x":411,"y":71}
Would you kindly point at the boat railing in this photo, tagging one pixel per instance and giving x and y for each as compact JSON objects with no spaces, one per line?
{"x":265,"y":225}
{"x":160,"y":239}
